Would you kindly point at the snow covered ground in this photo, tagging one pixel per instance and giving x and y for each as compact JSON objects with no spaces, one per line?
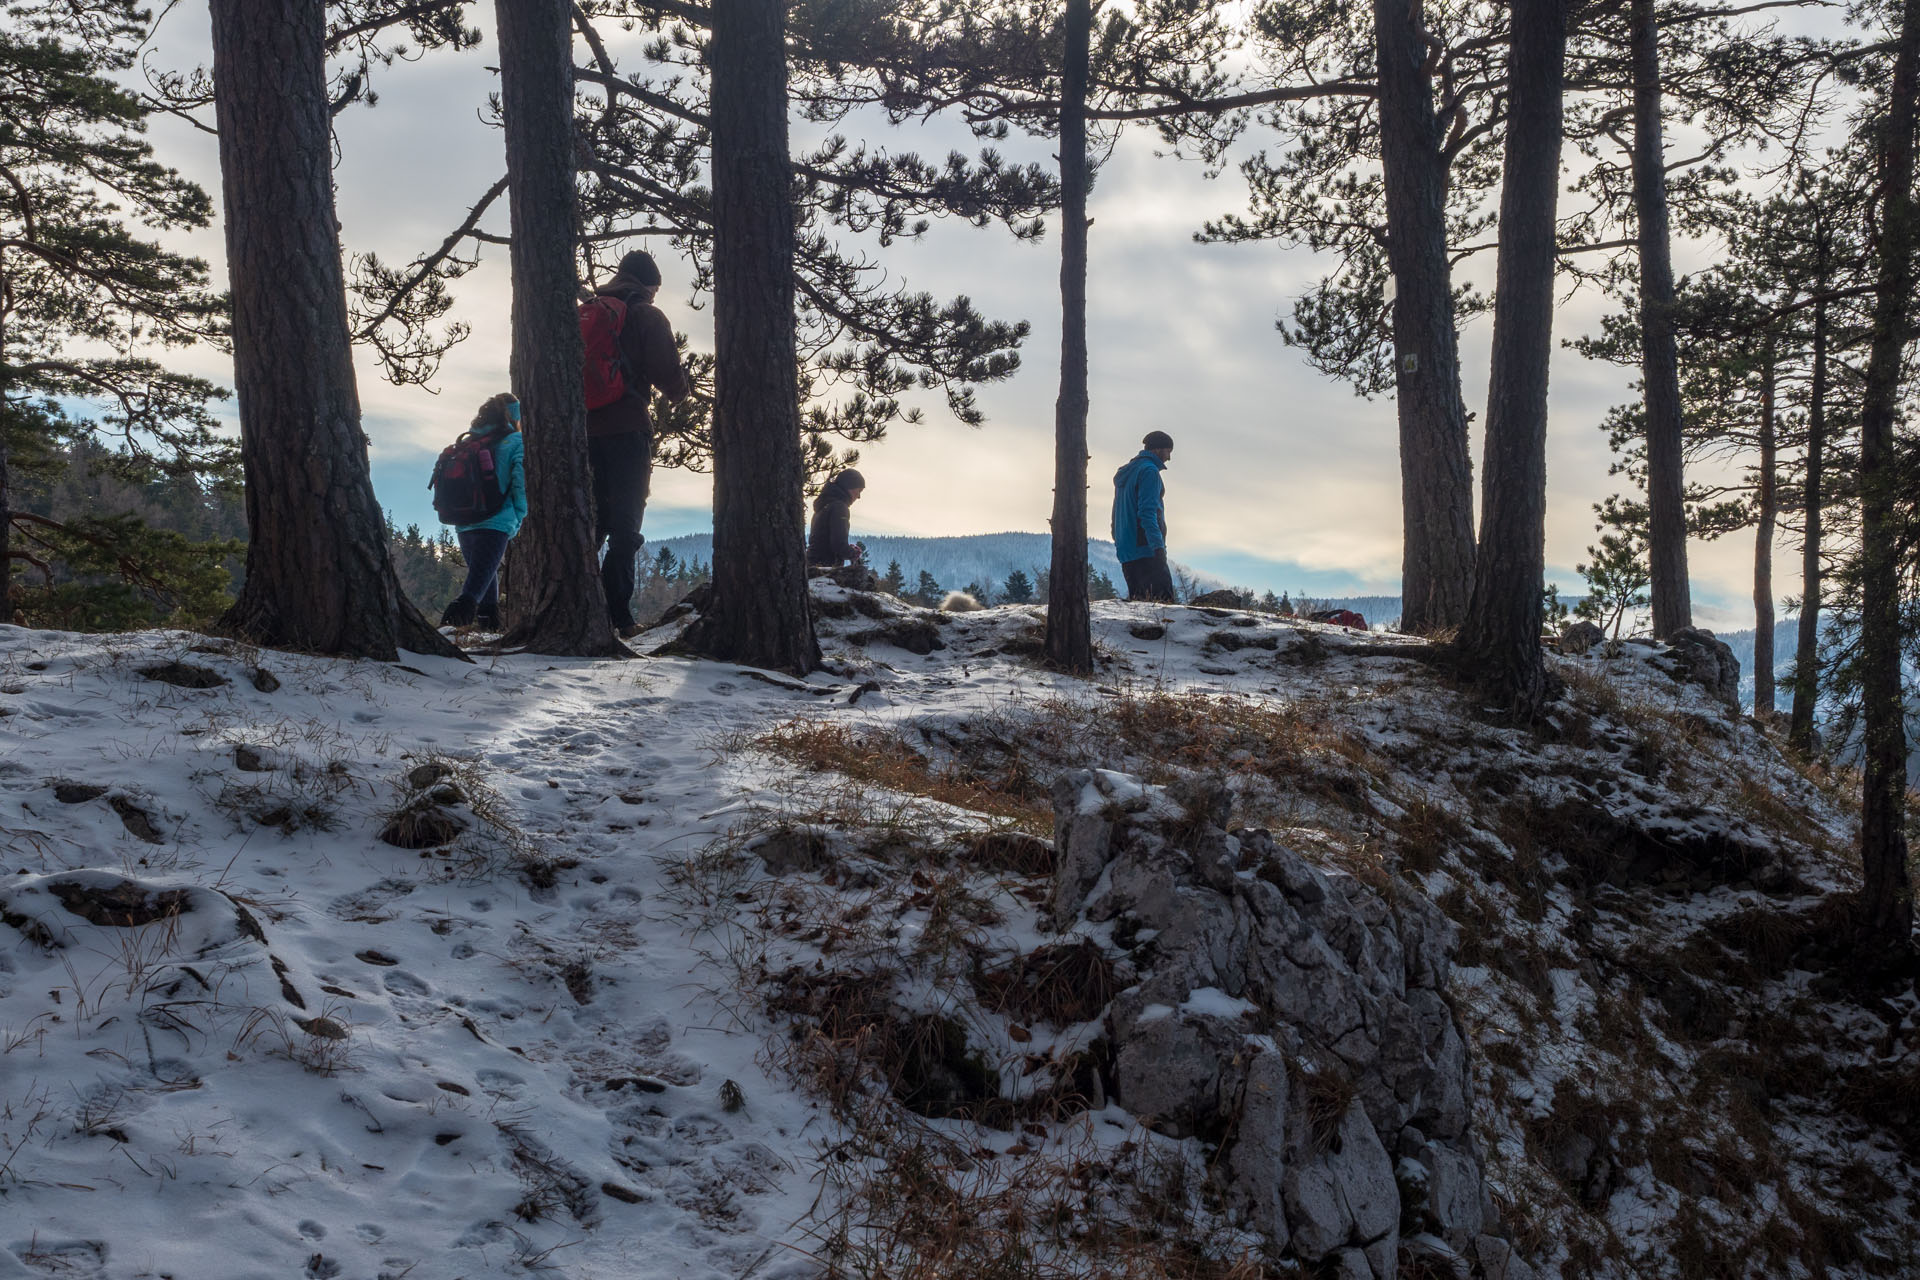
{"x":527,"y":1046}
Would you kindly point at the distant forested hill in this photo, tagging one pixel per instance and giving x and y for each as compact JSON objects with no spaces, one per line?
{"x":1786,"y":635}
{"x":987,"y":559}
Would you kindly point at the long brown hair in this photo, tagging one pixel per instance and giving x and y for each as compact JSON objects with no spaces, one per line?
{"x":493,"y":412}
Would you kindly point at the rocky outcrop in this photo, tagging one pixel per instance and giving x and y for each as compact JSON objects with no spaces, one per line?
{"x":1292,"y":1014}
{"x":1697,"y":656}
{"x":1577,"y":638}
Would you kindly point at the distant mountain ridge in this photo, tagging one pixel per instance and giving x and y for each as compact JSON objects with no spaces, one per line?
{"x":987,"y":558}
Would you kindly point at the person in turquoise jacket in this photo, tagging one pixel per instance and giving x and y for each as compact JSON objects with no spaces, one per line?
{"x":1140,"y":520}
{"x":484,"y":544}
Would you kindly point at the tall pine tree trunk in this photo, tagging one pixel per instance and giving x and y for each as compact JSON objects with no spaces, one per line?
{"x":6,"y":479}
{"x":1768,"y":503}
{"x":561,"y":609}
{"x":1659,"y":359}
{"x":1436,"y":465}
{"x":1499,"y":645}
{"x":1069,"y":626}
{"x":1806,"y":654}
{"x":1886,"y":895}
{"x":319,"y":576}
{"x":760,"y":612}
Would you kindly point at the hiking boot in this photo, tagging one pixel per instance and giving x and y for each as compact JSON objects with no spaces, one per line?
{"x":488,"y":622}
{"x":459,"y":613}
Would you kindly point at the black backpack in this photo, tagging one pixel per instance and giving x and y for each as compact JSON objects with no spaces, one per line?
{"x":466,"y":481}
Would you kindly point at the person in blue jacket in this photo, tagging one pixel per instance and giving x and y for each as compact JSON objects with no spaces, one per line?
{"x":484,"y":544}
{"x":1140,"y":520}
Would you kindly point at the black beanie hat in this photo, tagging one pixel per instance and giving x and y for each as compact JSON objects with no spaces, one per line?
{"x":848,"y":480}
{"x":640,"y":266}
{"x":1157,"y":440}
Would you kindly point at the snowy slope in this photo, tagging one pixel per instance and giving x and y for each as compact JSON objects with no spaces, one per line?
{"x":540,"y":1046}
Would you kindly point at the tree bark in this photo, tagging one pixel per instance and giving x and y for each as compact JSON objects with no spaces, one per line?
{"x":1659,"y":358}
{"x":1499,"y":644}
{"x":319,"y":576}
{"x":1436,"y":465}
{"x":1886,"y":895}
{"x":6,"y":477}
{"x":1069,"y":624}
{"x":563,"y":610}
{"x":760,"y":612}
{"x":1806,"y":655}
{"x":1767,"y":500}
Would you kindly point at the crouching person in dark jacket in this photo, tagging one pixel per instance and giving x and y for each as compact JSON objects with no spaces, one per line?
{"x":829,"y":544}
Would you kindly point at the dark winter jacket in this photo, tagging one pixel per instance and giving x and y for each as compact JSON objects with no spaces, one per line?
{"x":829,"y":540}
{"x":646,"y":339}
{"x":1139,"y":508}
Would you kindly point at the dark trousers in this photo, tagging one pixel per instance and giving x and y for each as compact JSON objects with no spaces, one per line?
{"x":1148,"y":578}
{"x":622,"y":469}
{"x":483,"y":550}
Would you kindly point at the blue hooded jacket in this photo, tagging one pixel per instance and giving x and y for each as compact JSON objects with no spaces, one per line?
{"x":1139,"y":508}
{"x":510,"y":464}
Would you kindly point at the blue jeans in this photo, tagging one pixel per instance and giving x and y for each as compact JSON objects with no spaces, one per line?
{"x":483,"y":549}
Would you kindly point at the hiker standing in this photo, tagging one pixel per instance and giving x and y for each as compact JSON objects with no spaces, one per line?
{"x":1140,"y":520}
{"x":829,"y":542}
{"x":630,"y":352}
{"x":484,"y":542}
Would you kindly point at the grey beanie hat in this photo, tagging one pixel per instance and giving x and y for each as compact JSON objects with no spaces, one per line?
{"x":1157,"y":440}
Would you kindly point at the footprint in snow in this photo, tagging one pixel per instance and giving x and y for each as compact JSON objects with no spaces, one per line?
{"x":401,"y":983}
{"x":503,"y":1083}
{"x":312,"y":1230}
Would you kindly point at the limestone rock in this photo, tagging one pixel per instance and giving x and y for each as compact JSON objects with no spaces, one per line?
{"x":1696,"y":656}
{"x":1577,"y":638}
{"x":1287,"y":1011}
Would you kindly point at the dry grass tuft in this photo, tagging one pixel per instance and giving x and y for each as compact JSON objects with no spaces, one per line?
{"x":1061,"y":984}
{"x":912,"y":1203}
{"x":889,"y":760}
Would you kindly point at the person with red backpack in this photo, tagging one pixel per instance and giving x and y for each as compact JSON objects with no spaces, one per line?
{"x":480,"y":487}
{"x":630,"y":353}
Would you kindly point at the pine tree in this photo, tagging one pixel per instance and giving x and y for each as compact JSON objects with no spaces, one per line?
{"x":1069,"y":628}
{"x":319,"y":576}
{"x":556,"y":605}
{"x":760,"y":613}
{"x":74,"y":280}
{"x":1436,"y":466}
{"x":1887,"y":893}
{"x":1617,"y":578}
{"x":1499,"y":643}
{"x":1659,"y":364}
{"x":928,"y":592}
{"x":1101,"y":587}
{"x":1018,"y":588}
{"x":894,"y":581}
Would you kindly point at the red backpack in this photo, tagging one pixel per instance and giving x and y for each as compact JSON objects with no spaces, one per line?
{"x":466,"y":482}
{"x":601,"y":320}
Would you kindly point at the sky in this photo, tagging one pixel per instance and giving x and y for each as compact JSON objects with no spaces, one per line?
{"x":1281,"y":477}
